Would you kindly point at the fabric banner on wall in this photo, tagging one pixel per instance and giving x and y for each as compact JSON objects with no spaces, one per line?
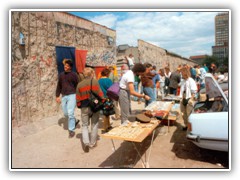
{"x":63,"y":52}
{"x":98,"y":70}
{"x":80,"y":56}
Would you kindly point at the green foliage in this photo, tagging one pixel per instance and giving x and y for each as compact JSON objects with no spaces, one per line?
{"x":225,"y":61}
{"x":210,"y":59}
{"x":221,"y":66}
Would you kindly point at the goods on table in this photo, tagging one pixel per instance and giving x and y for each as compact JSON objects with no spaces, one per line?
{"x":158,"y":105}
{"x":172,"y":97}
{"x":148,"y":113}
{"x":131,"y":130}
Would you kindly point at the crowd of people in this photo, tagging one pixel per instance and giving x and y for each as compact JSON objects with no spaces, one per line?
{"x":137,"y":81}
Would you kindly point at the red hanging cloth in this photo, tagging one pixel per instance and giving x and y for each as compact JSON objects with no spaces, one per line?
{"x":80,"y":58}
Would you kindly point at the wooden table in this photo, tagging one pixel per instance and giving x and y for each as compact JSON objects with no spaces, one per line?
{"x":165,"y":106}
{"x":134,"y":132}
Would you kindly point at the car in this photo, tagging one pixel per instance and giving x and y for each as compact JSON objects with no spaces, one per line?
{"x":208,"y":123}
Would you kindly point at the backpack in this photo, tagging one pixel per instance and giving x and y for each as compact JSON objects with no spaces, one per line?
{"x":95,"y":101}
{"x":167,"y":81}
{"x":108,"y":107}
{"x":113,"y":91}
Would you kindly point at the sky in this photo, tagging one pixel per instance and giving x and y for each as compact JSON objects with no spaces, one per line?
{"x":185,"y":33}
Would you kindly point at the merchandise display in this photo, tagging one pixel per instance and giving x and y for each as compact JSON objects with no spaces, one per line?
{"x":132,"y":131}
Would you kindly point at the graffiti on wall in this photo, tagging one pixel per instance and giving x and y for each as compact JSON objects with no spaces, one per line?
{"x":104,"y":58}
{"x":32,"y":80}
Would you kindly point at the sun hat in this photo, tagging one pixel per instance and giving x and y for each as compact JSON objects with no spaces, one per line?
{"x":143,"y":118}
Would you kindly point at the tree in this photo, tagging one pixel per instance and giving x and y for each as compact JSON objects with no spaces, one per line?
{"x":210,"y":59}
{"x":225,"y":61}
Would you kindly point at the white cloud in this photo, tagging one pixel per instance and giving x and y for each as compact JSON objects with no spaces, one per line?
{"x":184,"y":33}
{"x":108,"y":20}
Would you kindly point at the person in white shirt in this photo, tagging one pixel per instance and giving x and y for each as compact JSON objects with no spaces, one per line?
{"x":167,"y":74}
{"x":162,"y":82}
{"x":130,"y":59}
{"x":188,"y":91}
{"x":220,"y":77}
{"x":127,"y":88}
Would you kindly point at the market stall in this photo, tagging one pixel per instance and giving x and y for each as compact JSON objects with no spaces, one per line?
{"x":141,"y":126}
{"x":134,"y":132}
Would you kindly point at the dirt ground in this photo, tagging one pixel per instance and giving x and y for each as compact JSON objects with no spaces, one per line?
{"x":45,"y":144}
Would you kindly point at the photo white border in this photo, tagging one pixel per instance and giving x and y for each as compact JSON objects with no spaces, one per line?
{"x":127,"y":10}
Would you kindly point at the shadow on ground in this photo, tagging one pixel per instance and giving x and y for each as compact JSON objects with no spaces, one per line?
{"x":126,"y":156}
{"x":187,"y":150}
{"x":63,"y":122}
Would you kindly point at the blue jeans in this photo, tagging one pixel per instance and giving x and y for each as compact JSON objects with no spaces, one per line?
{"x":148,"y":91}
{"x":136,"y":88}
{"x":155,"y":94}
{"x":173,"y":91}
{"x":68,"y":107}
{"x":162,"y":88}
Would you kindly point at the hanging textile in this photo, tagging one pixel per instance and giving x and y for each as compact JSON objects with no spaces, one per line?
{"x":80,"y":57}
{"x":63,"y":52}
{"x":98,"y":70}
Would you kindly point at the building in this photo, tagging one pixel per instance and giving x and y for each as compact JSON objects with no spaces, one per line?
{"x":199,"y":59}
{"x":220,"y":50}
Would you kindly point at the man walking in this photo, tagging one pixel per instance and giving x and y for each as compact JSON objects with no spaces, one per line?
{"x":66,"y":86}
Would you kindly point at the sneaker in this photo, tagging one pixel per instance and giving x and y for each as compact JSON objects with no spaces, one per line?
{"x":92,"y":146}
{"x":71,"y":134}
{"x":184,"y":128}
{"x":109,"y":128}
{"x":86,"y":148}
{"x":104,"y":131}
{"x":76,"y":123}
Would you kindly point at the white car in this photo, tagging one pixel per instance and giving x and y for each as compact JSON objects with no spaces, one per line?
{"x":208,"y":125}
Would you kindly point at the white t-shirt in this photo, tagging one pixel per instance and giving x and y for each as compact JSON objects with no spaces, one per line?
{"x":220,"y":78}
{"x":189,"y":86}
{"x":130,"y":61}
{"x":126,"y":78}
{"x":168,"y":75}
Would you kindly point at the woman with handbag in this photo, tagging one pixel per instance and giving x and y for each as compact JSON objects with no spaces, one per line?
{"x":114,"y":77}
{"x":105,"y":82}
{"x":188,"y":91}
{"x":85,"y":91}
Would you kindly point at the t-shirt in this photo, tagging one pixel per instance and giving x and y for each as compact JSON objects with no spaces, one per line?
{"x":220,"y":77}
{"x":137,"y":79}
{"x":126,"y":78}
{"x":155,"y":79}
{"x":105,"y":83}
{"x":130,"y":61}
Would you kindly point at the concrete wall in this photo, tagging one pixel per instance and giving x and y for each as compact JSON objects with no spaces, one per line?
{"x":34,"y":69}
{"x":130,"y":50}
{"x":160,"y":57}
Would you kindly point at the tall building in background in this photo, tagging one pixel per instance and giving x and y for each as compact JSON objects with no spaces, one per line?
{"x":220,"y":50}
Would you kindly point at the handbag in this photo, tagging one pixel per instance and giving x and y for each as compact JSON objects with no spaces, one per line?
{"x":95,"y":101}
{"x":108,"y":107}
{"x":185,"y":101}
{"x":113,"y":91}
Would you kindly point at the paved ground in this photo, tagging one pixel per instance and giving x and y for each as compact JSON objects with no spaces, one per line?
{"x":45,"y":144}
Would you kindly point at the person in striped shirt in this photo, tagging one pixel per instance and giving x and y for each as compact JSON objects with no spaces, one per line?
{"x":82,"y":97}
